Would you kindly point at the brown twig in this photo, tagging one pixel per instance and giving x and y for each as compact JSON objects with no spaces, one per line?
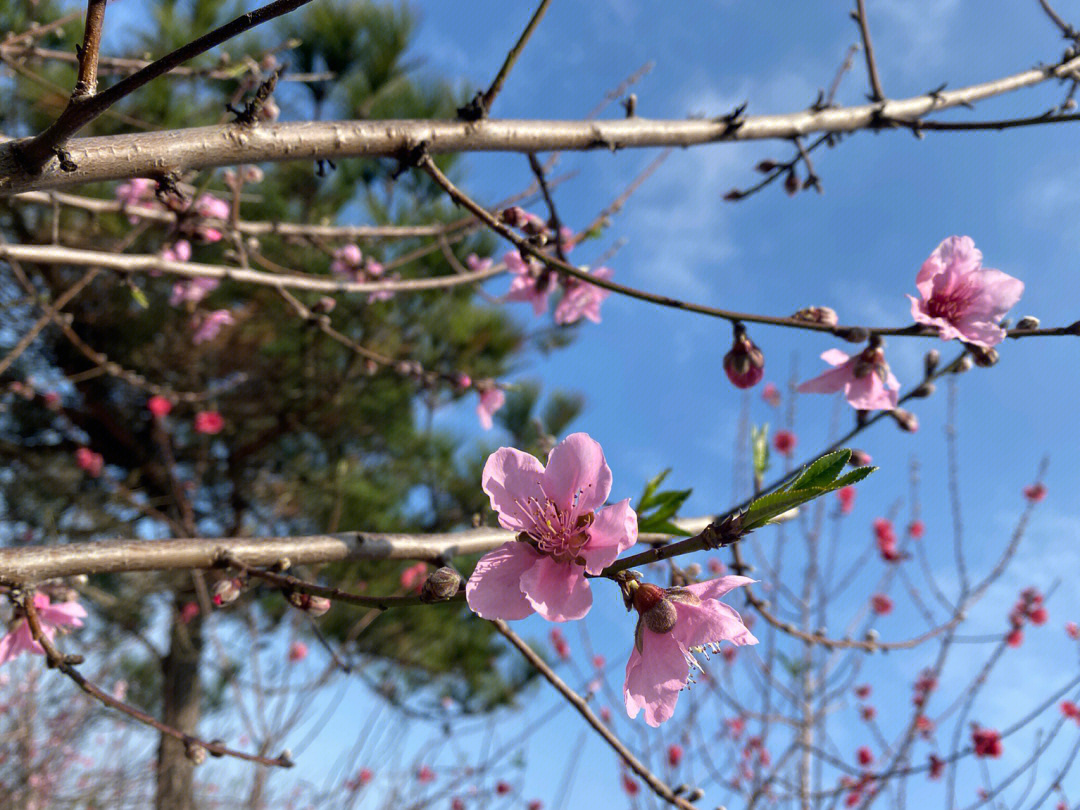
{"x":84,"y":109}
{"x":876,"y":93}
{"x":86,"y":79}
{"x":655,"y":783}
{"x":66,"y":665}
{"x":481,"y":105}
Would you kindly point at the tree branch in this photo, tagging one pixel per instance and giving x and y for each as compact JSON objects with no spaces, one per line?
{"x":150,"y":154}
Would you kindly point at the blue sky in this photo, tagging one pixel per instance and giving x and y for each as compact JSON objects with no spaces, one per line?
{"x":656,"y":392}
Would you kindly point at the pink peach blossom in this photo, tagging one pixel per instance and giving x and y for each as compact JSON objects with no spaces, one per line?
{"x":960,"y":297}
{"x":784,"y":441}
{"x":298,"y":651}
{"x":491,"y":399}
{"x":159,"y":406}
{"x":347,"y":259}
{"x":567,"y":533}
{"x":19,"y":639}
{"x":89,"y":462}
{"x":178,"y":251}
{"x":210,"y":325}
{"x":138,"y":191}
{"x":532,"y":282}
{"x":581,"y":299}
{"x":193,"y":291}
{"x":865,"y":379}
{"x":771,"y":394}
{"x":672,"y":625}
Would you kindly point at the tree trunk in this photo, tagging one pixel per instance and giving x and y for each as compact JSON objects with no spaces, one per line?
{"x":181,"y":693}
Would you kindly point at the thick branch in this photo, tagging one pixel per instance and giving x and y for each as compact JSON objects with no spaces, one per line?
{"x":150,"y":154}
{"x":33,"y":154}
{"x":31,"y":564}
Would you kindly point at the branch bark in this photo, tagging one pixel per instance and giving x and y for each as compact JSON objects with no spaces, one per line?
{"x":153,"y":154}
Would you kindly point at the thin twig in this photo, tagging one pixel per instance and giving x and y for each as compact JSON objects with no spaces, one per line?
{"x":578,"y":702}
{"x":876,"y":93}
{"x":488,"y":98}
{"x":86,"y":80}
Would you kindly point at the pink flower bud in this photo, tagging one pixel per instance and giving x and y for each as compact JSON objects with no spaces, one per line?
{"x":744,"y":363}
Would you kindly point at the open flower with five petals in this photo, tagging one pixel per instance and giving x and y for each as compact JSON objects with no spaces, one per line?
{"x":564,"y":532}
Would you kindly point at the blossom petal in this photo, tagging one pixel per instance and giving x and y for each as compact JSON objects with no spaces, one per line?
{"x":835,"y":357}
{"x":612,"y":533}
{"x":510,"y":478}
{"x":557,"y":591}
{"x":494,"y":589}
{"x":832,"y":380}
{"x":577,"y":478}
{"x":654,"y":677}
{"x":715,"y":588}
{"x":868,"y":393}
{"x":709,"y":623}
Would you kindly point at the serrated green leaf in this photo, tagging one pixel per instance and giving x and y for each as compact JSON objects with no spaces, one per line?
{"x":661,"y":527}
{"x":775,"y":504}
{"x":853,"y":477}
{"x":823,"y":471}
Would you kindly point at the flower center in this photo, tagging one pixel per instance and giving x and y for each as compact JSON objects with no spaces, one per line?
{"x":561,"y":535}
{"x":951,"y":304}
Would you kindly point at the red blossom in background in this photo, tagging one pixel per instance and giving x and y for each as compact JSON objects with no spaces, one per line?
{"x":771,"y":394}
{"x":986,"y":741}
{"x":298,"y":651}
{"x":412,"y":578}
{"x":159,"y":406}
{"x":1072,"y":630}
{"x":916,"y":529}
{"x":881,"y":604}
{"x":209,"y":422}
{"x":886,"y":540}
{"x":784,"y":441}
{"x":864,"y":755}
{"x":425,"y":775}
{"x":674,"y":755}
{"x":846,"y":497}
{"x":89,"y":462}
{"x":629,"y":785}
{"x":559,"y":644}
{"x":1070,"y":710}
{"x":1035,"y":492}
{"x":937,"y":766}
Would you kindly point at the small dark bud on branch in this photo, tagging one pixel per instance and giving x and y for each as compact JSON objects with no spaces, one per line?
{"x":440,"y":585}
{"x":853,"y":334}
{"x":930,"y":362}
{"x":905,"y":419}
{"x":1028,"y":322}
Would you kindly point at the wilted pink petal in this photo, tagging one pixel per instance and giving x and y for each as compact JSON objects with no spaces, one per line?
{"x":961,"y":298}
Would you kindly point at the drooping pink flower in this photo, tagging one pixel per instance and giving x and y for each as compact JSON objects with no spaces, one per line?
{"x":961,"y":298}
{"x":491,"y":399}
{"x":210,"y":325}
{"x":846,"y":496}
{"x":298,"y":651}
{"x":532,"y":282}
{"x":744,"y":364}
{"x":52,"y":617}
{"x":412,"y":578}
{"x":159,"y":406}
{"x":784,"y":441}
{"x":771,"y":394}
{"x":881,"y":604}
{"x":671,"y":624}
{"x":581,"y":299}
{"x":567,"y":533}
{"x":209,"y":422}
{"x":210,"y":207}
{"x":1035,"y":492}
{"x":716,"y":566}
{"x":865,"y":378}
{"x":986,"y":741}
{"x":89,"y":462}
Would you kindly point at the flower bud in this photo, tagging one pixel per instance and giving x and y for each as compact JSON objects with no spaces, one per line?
{"x":744,"y":364}
{"x":930,"y":362}
{"x":766,"y":166}
{"x":983,"y":357}
{"x":660,"y":618}
{"x":792,"y":184}
{"x":905,"y":419}
{"x":440,"y":585}
{"x":1028,"y":322}
{"x":194,"y":752}
{"x":964,"y":364}
{"x":860,"y":458}
{"x":226,"y":590}
{"x":924,"y":390}
{"x":824,"y":315}
{"x":309,"y":603}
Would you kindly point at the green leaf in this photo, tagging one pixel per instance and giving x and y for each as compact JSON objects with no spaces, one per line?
{"x":759,"y":446}
{"x":140,"y":297}
{"x":823,"y":471}
{"x":650,"y":488}
{"x":775,"y":504}
{"x":853,"y":477}
{"x":663,"y":527}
